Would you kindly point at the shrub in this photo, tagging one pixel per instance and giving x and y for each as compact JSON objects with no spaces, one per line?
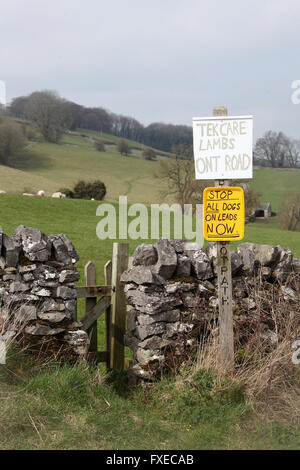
{"x":123,"y":147}
{"x":68,"y":192}
{"x":99,"y":145}
{"x":149,"y":154}
{"x":12,"y":140}
{"x":89,"y":190}
{"x":289,"y":216}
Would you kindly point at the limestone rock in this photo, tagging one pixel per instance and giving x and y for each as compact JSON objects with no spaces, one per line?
{"x":52,"y":317}
{"x":131,"y":341}
{"x":284,"y":265}
{"x":131,"y":320}
{"x":35,"y":244}
{"x":79,"y":340}
{"x":155,"y":343}
{"x":10,"y":250}
{"x":184,"y":266}
{"x":150,"y":330}
{"x":146,"y":356}
{"x":63,"y":249}
{"x":18,"y":287}
{"x":52,"y":305}
{"x":41,"y":292}
{"x":236,"y":263}
{"x":167,"y":316}
{"x":71,"y":308}
{"x":144,"y":255}
{"x":151,"y":304}
{"x":65,"y":292}
{"x":27,"y":268}
{"x":26,"y":313}
{"x":68,"y":275}
{"x":167,"y":259}
{"x":296,"y":265}
{"x":246,"y":252}
{"x":202,"y":265}
{"x":43,"y":330}
{"x":141,"y":275}
{"x":212,"y":253}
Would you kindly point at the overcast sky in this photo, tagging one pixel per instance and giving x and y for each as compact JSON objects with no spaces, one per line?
{"x":158,"y":60}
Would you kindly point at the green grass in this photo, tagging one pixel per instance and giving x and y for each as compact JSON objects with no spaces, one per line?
{"x":77,"y":218}
{"x":75,"y":407}
{"x":51,"y":167}
{"x":54,"y":166}
{"x":275,"y":184}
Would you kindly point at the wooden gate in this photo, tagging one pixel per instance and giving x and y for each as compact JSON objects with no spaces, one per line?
{"x":108,"y":299}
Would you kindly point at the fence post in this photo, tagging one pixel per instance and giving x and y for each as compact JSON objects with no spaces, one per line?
{"x":90,"y":280}
{"x":118,"y":306}
{"x":108,"y":280}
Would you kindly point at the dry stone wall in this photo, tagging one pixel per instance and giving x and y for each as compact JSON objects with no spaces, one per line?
{"x":172,"y":292}
{"x":37,"y":292}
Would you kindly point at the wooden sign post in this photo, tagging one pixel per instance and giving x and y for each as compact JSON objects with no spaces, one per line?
{"x":225,"y":288}
{"x":223,"y":151}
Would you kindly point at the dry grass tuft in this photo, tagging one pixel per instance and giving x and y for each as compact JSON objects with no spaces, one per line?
{"x":264,"y":367}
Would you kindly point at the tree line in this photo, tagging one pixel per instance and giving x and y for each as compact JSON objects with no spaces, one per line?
{"x":54,"y":114}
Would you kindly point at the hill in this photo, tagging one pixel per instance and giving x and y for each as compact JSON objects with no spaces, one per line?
{"x":53,"y":166}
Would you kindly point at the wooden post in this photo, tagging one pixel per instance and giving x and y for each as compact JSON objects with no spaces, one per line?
{"x":118,"y":306}
{"x":90,"y":280}
{"x":225,"y":288}
{"x":108,"y":280}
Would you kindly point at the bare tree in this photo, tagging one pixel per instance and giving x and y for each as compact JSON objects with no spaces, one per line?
{"x":178,"y":174}
{"x":289,"y":215}
{"x":123,"y":147}
{"x":278,"y":150}
{"x":12,"y":140}
{"x":46,"y":110}
{"x":292,"y":148}
{"x":149,"y":154}
{"x":271,"y":148}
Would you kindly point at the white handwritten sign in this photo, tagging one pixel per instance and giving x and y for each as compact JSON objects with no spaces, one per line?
{"x":223,"y":147}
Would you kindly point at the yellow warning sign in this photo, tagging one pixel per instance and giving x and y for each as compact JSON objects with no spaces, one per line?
{"x":224,"y":213}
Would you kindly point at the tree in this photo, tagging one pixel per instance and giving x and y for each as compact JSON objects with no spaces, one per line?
{"x":149,"y":154}
{"x":99,"y":145}
{"x":292,"y":148}
{"x":123,"y":147}
{"x":178,"y":174}
{"x":289,"y":215}
{"x":12,"y":140}
{"x":278,"y":150}
{"x":46,"y":110}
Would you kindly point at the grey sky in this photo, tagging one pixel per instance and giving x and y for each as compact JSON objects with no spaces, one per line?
{"x":158,"y":60}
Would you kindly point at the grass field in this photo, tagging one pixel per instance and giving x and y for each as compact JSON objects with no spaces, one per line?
{"x":78,"y":408}
{"x":81,"y":408}
{"x":51,"y":167}
{"x":77,"y":218}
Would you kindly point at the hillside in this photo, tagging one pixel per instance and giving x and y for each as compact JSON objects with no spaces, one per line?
{"x":51,"y":167}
